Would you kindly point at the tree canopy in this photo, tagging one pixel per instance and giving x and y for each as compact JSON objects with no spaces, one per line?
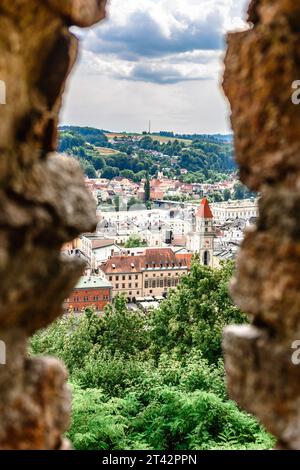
{"x":154,"y":380}
{"x":206,"y":158}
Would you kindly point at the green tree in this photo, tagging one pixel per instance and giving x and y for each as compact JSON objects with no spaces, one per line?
{"x":132,"y":202}
{"x":239,"y":191}
{"x":134,"y":241}
{"x":216,"y":197}
{"x":147,"y":189}
{"x":194,"y":315}
{"x":154,"y":380}
{"x":129,"y":174}
{"x":226,"y":194}
{"x":110,"y":172}
{"x":98,"y":162}
{"x":88,"y":169}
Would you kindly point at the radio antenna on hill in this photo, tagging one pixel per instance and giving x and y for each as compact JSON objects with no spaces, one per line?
{"x":149,"y":127}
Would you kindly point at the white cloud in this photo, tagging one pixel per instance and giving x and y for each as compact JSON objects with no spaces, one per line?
{"x":158,"y":59}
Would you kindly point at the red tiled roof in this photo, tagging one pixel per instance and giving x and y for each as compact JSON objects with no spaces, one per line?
{"x":152,"y":258}
{"x":204,"y":210}
{"x":185,"y":259}
{"x":158,"y":256}
{"x":123,"y":264}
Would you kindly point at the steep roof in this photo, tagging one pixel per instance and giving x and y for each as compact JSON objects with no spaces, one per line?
{"x":204,"y":210}
{"x":123,"y":264}
{"x":152,"y":258}
{"x":185,"y":259}
{"x":158,"y":256}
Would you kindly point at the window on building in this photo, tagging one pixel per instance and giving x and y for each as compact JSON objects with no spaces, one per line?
{"x":123,"y":278}
{"x":146,"y":284}
{"x":110,"y":278}
{"x":117,"y":286}
{"x":123,"y":286}
{"x":206,"y":258}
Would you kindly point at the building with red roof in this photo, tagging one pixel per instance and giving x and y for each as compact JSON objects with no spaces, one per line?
{"x":150,"y":274}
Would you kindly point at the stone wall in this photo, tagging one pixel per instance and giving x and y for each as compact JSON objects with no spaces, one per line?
{"x":262,"y":64}
{"x":43,"y":204}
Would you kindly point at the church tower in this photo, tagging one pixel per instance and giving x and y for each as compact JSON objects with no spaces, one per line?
{"x":206,"y":231}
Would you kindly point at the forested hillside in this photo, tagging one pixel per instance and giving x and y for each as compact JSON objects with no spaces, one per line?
{"x":206,"y":158}
{"x":156,"y":380}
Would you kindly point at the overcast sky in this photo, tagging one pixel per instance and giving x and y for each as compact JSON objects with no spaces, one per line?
{"x":154,"y":59}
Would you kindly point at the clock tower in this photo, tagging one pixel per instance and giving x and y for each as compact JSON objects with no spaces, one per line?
{"x":206,"y":231}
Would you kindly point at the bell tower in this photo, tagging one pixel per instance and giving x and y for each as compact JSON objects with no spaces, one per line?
{"x":205,"y":229}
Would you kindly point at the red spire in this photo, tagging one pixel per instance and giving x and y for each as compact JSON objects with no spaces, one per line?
{"x":204,"y":210}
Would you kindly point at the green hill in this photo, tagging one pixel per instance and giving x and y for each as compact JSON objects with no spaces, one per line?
{"x":206,"y":158}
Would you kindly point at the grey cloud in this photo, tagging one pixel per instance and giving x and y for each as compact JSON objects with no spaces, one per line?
{"x":166,"y":75}
{"x":142,"y":36}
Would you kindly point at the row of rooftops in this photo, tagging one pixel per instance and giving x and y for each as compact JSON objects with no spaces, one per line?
{"x":152,"y":259}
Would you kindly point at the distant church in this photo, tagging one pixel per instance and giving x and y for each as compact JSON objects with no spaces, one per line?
{"x":202,"y":239}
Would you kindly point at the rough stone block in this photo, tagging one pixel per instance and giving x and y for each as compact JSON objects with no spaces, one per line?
{"x":263,"y":380}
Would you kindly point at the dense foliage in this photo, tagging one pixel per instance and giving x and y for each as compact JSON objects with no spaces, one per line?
{"x":207,"y":158}
{"x":155,"y":380}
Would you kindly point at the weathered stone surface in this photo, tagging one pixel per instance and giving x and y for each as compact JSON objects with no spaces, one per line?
{"x":261,"y":65}
{"x":80,"y":12}
{"x":43,"y":203}
{"x":268,"y":282}
{"x":262,"y":378}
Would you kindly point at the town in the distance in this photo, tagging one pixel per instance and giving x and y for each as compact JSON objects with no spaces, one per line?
{"x":161,"y":199}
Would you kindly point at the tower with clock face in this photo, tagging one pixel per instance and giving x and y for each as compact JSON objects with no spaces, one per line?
{"x":205,"y":229}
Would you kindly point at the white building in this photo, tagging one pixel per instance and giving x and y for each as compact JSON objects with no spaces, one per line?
{"x":103,"y":249}
{"x":202,"y":240}
{"x":231,"y":210}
